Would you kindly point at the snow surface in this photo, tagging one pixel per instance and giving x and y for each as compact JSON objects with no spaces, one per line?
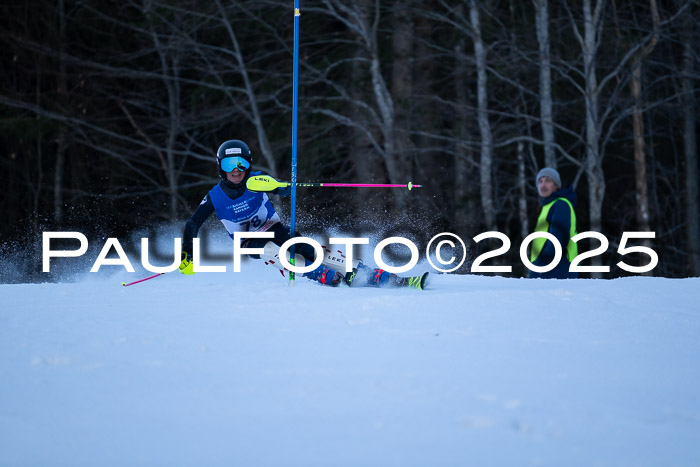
{"x":241,"y":369}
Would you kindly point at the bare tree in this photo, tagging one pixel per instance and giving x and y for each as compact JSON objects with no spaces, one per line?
{"x":363,"y":23}
{"x":642,"y":192}
{"x":250,"y":94}
{"x":597,"y":136}
{"x":170,"y":69}
{"x":466,"y":193}
{"x":402,"y":92}
{"x":486,"y":158}
{"x":590,"y":42}
{"x":363,"y":144}
{"x":62,"y":93}
{"x":692,"y":204}
{"x":547,"y":120}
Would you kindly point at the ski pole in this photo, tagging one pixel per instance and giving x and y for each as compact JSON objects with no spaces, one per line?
{"x":267,"y":183}
{"x":295,"y":119}
{"x":141,"y":280}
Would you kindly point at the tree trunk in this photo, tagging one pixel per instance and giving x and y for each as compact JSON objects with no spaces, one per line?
{"x":402,"y":94}
{"x":547,"y":122}
{"x":522,"y":192}
{"x":367,"y":164}
{"x":692,"y":214}
{"x":545,"y":109}
{"x":640,"y":163}
{"x":169,"y":69}
{"x":593,"y":164}
{"x":173,"y":131}
{"x":61,"y":97}
{"x":466,"y":194}
{"x":640,"y":171}
{"x":486,"y":158}
{"x":426,"y":115}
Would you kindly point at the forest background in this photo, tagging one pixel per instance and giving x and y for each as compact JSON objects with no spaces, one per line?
{"x":111,"y":113}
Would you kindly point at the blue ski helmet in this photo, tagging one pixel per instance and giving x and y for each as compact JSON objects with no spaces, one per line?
{"x":235,"y":149}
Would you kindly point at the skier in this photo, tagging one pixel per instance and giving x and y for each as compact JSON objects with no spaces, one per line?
{"x":559,"y":219}
{"x":243,"y":210}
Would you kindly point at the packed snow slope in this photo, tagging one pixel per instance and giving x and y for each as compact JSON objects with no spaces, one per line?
{"x":241,"y":369}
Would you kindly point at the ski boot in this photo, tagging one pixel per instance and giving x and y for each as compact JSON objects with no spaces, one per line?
{"x":349,"y":277}
{"x":415,"y":282}
{"x":382,"y":278}
{"x":325,"y":276}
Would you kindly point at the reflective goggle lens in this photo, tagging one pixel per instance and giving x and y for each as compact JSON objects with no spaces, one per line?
{"x":230,"y":163}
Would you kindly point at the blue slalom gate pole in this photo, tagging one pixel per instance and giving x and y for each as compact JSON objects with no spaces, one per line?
{"x":295,"y":102}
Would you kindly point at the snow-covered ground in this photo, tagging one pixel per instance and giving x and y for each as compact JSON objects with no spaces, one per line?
{"x":241,"y":369}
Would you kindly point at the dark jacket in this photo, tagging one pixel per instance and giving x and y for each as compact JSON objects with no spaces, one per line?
{"x":559,"y":219}
{"x":206,"y":207}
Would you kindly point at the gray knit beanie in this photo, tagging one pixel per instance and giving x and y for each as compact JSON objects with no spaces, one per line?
{"x":551,"y":173}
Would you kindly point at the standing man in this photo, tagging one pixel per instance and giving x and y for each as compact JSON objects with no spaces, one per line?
{"x":557,"y":218}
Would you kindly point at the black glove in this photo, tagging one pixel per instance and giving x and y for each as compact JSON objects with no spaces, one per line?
{"x":283,"y":191}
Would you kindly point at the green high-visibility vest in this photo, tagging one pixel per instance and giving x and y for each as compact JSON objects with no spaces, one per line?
{"x":543,"y":226}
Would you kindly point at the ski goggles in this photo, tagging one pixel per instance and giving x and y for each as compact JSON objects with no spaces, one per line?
{"x":230,"y":163}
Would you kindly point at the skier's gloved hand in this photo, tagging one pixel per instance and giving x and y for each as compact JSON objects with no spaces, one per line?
{"x":283,"y":191}
{"x":186,"y":266}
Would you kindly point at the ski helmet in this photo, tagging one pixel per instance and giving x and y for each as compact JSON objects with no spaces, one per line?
{"x":236,"y":149}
